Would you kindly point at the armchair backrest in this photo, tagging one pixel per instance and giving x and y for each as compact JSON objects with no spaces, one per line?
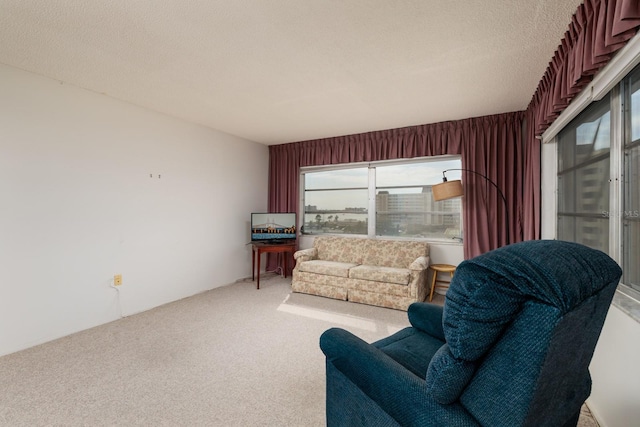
{"x":523,"y":321}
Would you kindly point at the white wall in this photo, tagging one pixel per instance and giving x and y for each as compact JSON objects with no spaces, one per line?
{"x":78,"y":205}
{"x":615,"y":369}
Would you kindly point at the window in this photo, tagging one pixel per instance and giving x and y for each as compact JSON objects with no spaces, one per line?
{"x":335,"y":201}
{"x":583,"y":178}
{"x":631,"y":184}
{"x":599,"y":178}
{"x":381,"y":199}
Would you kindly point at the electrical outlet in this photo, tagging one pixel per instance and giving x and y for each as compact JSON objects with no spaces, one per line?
{"x":117,"y":280}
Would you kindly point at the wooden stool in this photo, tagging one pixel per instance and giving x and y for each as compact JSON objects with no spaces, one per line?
{"x":440,"y":268}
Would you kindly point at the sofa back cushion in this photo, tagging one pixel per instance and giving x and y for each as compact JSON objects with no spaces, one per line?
{"x":341,"y":249}
{"x":393,"y":253}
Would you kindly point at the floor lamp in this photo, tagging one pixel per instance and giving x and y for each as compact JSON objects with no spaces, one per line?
{"x":450,"y":189}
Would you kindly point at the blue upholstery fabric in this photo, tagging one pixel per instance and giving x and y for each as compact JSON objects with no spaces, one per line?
{"x":427,"y":318}
{"x":511,"y":347}
{"x":487,"y":291}
{"x":447,"y":376}
{"x":411,"y":348}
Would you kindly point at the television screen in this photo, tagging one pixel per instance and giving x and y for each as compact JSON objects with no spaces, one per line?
{"x":273,"y":227}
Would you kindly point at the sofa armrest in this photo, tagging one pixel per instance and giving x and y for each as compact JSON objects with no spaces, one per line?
{"x":420,"y":263}
{"x":427,"y":318}
{"x":305,"y":255}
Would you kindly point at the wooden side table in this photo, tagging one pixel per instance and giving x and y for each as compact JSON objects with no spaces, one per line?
{"x":260,"y":248}
{"x":440,"y":268}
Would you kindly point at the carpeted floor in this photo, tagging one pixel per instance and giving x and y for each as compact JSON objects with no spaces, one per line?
{"x":233,"y":356}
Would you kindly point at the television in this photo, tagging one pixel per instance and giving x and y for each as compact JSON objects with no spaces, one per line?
{"x":273,"y":227}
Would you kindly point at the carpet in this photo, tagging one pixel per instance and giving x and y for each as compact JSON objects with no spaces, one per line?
{"x":232,"y":356}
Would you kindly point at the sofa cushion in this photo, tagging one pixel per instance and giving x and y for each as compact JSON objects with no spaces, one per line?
{"x":386,"y":288}
{"x":342,"y":249}
{"x":398,"y":276}
{"x":328,"y":268}
{"x":393,"y":253}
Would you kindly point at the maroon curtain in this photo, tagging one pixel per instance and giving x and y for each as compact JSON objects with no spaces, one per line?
{"x":597,"y":31}
{"x":531,"y":204}
{"x":490,"y":145}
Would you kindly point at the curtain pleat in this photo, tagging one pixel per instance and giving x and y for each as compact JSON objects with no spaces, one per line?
{"x":598,"y":29}
{"x":489,"y":145}
{"x":492,"y":146}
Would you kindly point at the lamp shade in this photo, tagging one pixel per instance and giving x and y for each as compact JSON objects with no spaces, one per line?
{"x":447,"y":190}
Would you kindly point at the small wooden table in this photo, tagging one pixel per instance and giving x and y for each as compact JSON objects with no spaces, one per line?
{"x":440,"y":268}
{"x":260,"y":248}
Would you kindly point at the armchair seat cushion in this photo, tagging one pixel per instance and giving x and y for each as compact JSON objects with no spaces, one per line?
{"x":375,"y":273}
{"x":327,"y":268}
{"x":411,"y":348}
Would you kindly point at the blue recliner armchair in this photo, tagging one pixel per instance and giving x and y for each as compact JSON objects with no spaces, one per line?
{"x":511,"y":346}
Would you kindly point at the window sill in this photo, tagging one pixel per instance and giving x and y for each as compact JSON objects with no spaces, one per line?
{"x":628,"y":300}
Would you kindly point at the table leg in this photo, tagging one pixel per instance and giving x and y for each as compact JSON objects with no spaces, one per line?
{"x":285,"y":256}
{"x":433,"y":284}
{"x":258,"y":273}
{"x":253,"y":264}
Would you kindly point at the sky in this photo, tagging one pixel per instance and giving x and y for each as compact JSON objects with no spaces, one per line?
{"x":353,"y":182}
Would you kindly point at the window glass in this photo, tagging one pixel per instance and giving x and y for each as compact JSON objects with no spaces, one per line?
{"x":631,"y":218}
{"x":337,"y":178}
{"x":405,"y":205}
{"x":586,"y":138}
{"x":598,"y":198}
{"x":592,"y":232}
{"x":336,"y":201}
{"x":634,"y":89}
{"x":583,"y":178}
{"x":630,"y":212}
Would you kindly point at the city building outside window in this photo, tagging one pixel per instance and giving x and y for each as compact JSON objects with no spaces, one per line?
{"x":583,"y":178}
{"x":598,"y":179}
{"x":630,"y":214}
{"x":390,"y":199}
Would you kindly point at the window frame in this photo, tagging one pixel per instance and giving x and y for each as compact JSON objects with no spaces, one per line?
{"x":627,"y":298}
{"x":372,"y":188}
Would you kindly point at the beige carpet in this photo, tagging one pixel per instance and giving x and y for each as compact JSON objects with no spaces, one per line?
{"x":233,"y":356}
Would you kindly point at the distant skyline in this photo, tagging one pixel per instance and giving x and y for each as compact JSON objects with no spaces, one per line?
{"x":356,"y":179}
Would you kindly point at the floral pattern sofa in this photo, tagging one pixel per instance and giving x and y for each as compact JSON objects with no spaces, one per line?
{"x":386,"y":273}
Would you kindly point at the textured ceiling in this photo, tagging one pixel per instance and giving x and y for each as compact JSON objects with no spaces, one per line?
{"x":276,"y":71}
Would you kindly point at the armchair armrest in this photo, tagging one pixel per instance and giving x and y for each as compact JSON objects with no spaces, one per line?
{"x":384,"y":380}
{"x":427,"y":318}
{"x":396,"y":390}
{"x":421,"y":263}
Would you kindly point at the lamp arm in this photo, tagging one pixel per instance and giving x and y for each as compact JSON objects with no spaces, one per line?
{"x":504,"y":199}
